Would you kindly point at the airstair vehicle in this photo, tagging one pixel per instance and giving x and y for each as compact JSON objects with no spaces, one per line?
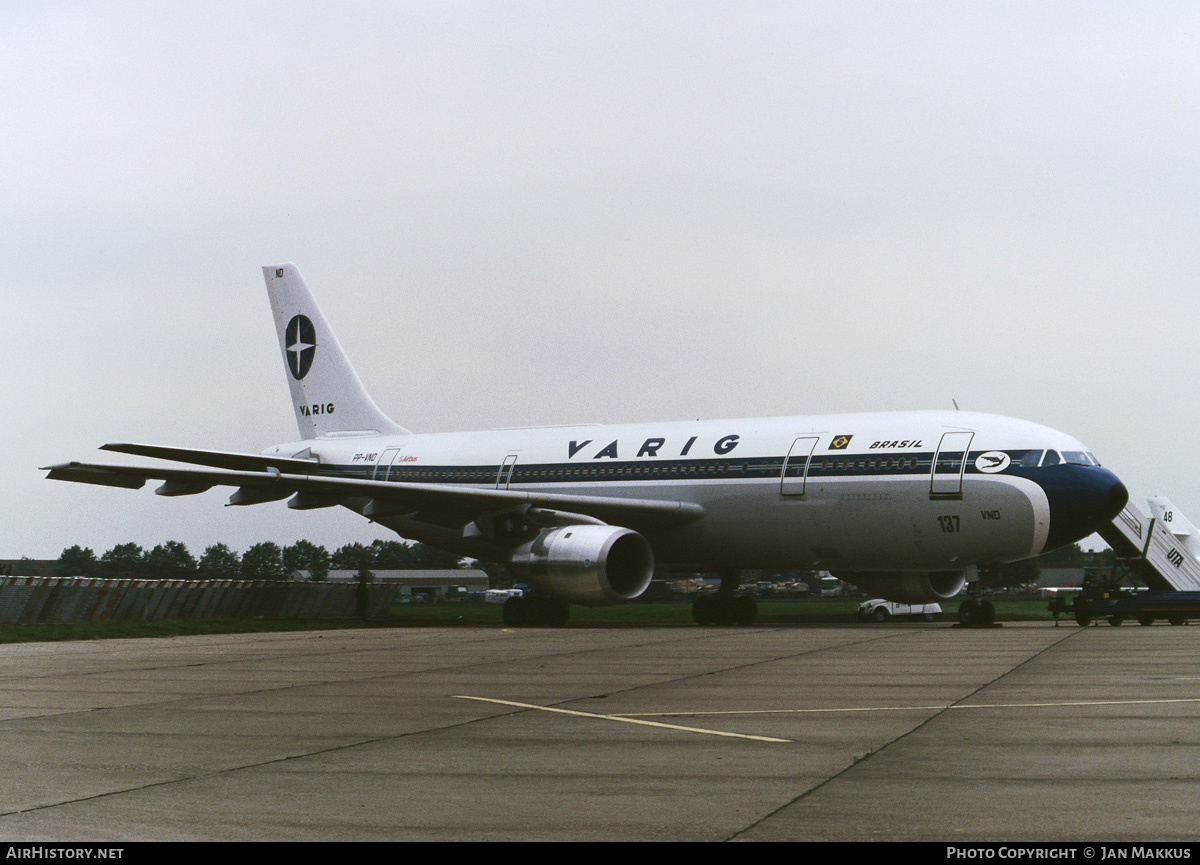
{"x":1159,"y":552}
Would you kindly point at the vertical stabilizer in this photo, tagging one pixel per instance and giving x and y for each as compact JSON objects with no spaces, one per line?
{"x":326,"y":392}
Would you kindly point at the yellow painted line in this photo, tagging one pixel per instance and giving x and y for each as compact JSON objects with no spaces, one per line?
{"x":910,"y":708}
{"x":626,"y":720}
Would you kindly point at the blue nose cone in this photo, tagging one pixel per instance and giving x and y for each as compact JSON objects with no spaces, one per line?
{"x":1082,"y":500}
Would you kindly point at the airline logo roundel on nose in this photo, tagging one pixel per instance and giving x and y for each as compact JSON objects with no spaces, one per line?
{"x":300,"y":340}
{"x":992,"y":462}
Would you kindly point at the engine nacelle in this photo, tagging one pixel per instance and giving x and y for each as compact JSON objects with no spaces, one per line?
{"x":590,"y":565}
{"x":924,"y":587}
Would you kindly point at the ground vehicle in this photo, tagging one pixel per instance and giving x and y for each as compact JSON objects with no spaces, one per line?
{"x":880,"y":610}
{"x":499,"y":596}
{"x":1116,"y":604}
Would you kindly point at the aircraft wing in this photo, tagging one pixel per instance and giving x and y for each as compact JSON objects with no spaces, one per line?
{"x":444,"y":504}
{"x":217,"y":459}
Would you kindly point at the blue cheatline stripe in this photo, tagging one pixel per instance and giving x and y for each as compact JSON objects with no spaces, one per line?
{"x":761,"y":468}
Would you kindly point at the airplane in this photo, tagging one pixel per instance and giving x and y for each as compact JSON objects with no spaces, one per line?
{"x":900,"y":504}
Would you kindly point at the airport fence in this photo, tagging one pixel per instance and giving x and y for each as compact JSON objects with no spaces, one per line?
{"x":60,"y":600}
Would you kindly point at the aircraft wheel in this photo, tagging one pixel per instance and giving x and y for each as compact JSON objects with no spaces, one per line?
{"x":560,"y":612}
{"x":703,"y":610}
{"x":987,"y":613}
{"x":723,"y":610}
{"x":1145,"y":619}
{"x":516,"y":612}
{"x":745,"y":611}
{"x":968,"y":612}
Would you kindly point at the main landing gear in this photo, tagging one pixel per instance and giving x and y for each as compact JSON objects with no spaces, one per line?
{"x":724,"y":607}
{"x":975,"y":612}
{"x":535,"y":611}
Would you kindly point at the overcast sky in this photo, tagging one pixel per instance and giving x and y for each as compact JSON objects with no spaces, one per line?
{"x":543,"y":213}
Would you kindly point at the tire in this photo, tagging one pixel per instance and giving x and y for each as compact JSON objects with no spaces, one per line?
{"x":516,"y":612}
{"x":745,"y":611}
{"x":1083,"y":618}
{"x":704,"y":610}
{"x":987,"y":613}
{"x":968,"y":613}
{"x":1177,"y":619}
{"x":880,"y":615}
{"x":1145,"y":619}
{"x":723,"y":611}
{"x":1116,"y":621}
{"x":557,"y":612}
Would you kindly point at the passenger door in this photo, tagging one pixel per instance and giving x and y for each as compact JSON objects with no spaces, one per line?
{"x":795,"y":466}
{"x":949,"y":463}
{"x":504,"y":476}
{"x":385,"y":463}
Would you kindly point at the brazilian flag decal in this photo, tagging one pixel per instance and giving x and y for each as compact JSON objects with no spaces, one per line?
{"x":839,"y":443}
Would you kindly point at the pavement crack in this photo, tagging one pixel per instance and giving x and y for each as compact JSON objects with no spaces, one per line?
{"x":859,"y":760}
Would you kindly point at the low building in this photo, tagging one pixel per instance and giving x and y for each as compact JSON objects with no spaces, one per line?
{"x":434,"y":584}
{"x":28,"y":567}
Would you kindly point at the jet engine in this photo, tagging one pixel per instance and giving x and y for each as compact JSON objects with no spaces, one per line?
{"x":586,"y":564}
{"x":906,"y":587}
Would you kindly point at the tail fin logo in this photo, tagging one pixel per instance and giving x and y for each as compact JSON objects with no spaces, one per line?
{"x":301,"y":341}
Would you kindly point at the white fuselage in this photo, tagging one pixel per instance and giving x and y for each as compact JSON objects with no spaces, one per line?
{"x":840,"y":492}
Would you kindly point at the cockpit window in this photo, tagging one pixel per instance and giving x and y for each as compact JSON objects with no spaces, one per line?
{"x":1051,"y":459}
{"x":1030,"y":459}
{"x":1077,"y":458}
{"x":1094,"y":460}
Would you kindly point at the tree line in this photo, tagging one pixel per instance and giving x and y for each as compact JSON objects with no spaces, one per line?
{"x":263,"y":561}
